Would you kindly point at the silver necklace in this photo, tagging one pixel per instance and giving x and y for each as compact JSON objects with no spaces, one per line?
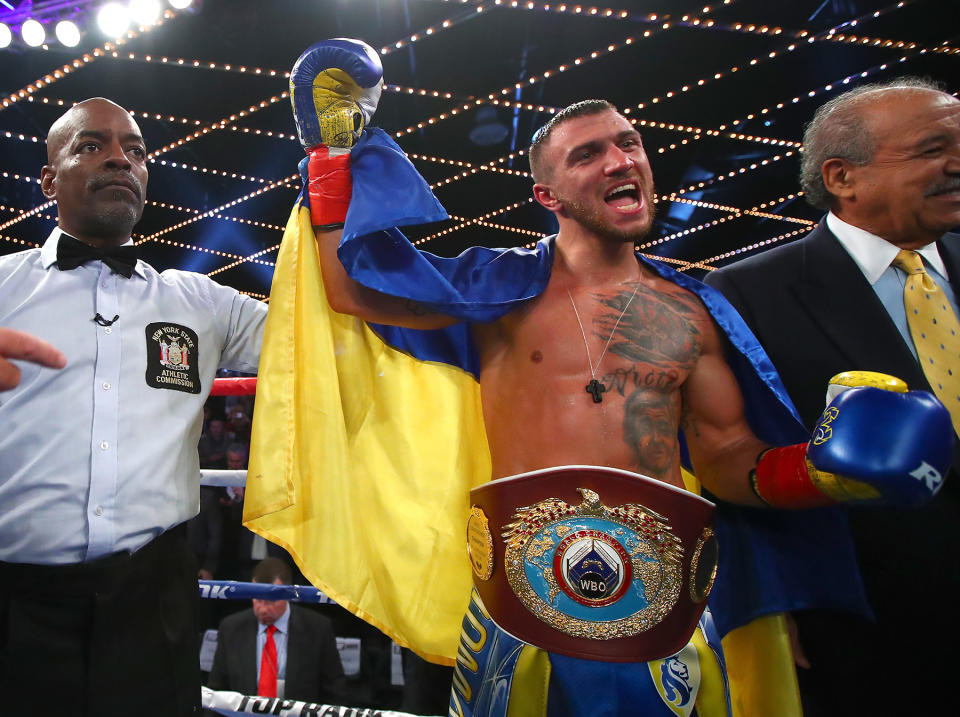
{"x":595,"y":388}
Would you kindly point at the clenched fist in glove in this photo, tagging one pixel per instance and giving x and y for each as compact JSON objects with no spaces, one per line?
{"x":334,"y":88}
{"x":872,"y":445}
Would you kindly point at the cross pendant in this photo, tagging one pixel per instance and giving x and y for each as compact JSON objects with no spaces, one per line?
{"x":595,"y":389}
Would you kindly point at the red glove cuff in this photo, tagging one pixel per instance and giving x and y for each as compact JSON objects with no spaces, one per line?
{"x":329,"y":187}
{"x":782,"y":479}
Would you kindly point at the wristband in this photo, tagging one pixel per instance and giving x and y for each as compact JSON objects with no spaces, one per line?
{"x":784,"y":478}
{"x":329,"y":187}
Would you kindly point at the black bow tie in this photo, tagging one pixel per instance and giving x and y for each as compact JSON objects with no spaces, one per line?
{"x":71,"y":253}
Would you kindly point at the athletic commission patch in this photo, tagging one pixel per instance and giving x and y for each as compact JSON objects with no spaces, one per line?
{"x":591,"y":571}
{"x":172,"y":357}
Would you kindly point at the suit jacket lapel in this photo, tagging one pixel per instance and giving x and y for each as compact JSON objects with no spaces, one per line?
{"x":293,"y":680}
{"x":833,"y":289}
{"x":249,"y":642}
{"x":949,"y":248}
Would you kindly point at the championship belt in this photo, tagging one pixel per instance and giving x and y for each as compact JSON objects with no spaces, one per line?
{"x":592,"y":562}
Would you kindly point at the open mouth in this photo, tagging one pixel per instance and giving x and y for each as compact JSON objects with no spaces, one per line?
{"x":952,"y":191}
{"x":624,"y":198}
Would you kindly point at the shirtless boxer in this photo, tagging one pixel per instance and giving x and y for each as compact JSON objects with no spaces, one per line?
{"x":615,"y":354}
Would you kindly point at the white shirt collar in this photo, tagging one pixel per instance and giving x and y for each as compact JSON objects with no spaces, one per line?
{"x":874,"y":254}
{"x":48,"y":252}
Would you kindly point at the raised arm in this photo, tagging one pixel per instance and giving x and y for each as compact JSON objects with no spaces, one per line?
{"x":334,"y":88}
{"x":347,"y":296}
{"x":875,"y":443}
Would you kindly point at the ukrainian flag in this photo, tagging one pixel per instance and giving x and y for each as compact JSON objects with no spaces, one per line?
{"x":374,"y":520}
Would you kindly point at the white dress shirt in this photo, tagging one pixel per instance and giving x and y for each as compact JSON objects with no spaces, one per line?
{"x":101,"y":456}
{"x":874,"y":255}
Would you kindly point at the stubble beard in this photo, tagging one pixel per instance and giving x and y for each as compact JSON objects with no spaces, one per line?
{"x":591,"y":220}
{"x":115,"y":219}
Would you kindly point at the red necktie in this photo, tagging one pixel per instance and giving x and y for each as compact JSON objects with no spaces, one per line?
{"x":267,"y":686}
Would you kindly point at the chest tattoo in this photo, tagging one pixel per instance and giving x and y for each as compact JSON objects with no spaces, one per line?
{"x":660,"y":330}
{"x":660,"y":337}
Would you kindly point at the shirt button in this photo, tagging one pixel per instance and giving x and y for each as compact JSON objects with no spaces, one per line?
{"x":104,"y":285}
{"x":104,"y":445}
{"x":106,"y":385}
{"x":98,"y":510}
{"x":107,"y":330}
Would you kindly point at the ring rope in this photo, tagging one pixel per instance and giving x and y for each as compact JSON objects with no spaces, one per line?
{"x":234,"y":703}
{"x":219,"y":478}
{"x":236,"y":590}
{"x":234,"y":386}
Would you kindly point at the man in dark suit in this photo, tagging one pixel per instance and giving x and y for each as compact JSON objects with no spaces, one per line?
{"x":884,"y":160}
{"x":307,"y":665}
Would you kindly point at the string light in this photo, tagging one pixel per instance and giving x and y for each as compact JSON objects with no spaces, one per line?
{"x":803,"y":35}
{"x":734,"y":172}
{"x":78,"y":62}
{"x":265,"y":133}
{"x":502,"y":227}
{"x":817,"y":91}
{"x":30,"y":212}
{"x":671,"y":126}
{"x":220,"y":124}
{"x":582,"y":10}
{"x":216,"y":210}
{"x":16,"y":240}
{"x":431,"y":30}
{"x":471,"y":222}
{"x":531,"y":80}
{"x":201,"y":64}
{"x":733,"y":213}
{"x":419,"y":92}
{"x":245,"y":259}
{"x":208,"y":170}
{"x":705,"y":263}
{"x":683,"y":264}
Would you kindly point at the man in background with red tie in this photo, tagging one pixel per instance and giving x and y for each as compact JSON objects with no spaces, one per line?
{"x":873,"y":287}
{"x":277,"y":649}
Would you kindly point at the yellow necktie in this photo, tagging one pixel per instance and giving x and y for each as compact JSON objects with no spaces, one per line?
{"x":935,"y":331}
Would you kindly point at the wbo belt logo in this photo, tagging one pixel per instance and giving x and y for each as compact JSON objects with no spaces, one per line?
{"x":594,"y":569}
{"x":591,"y":571}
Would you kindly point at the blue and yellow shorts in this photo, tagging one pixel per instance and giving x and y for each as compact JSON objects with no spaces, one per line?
{"x":499,"y":676}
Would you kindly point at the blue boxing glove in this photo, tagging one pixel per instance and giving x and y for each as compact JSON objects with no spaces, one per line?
{"x":334,"y":89}
{"x":871,"y":445}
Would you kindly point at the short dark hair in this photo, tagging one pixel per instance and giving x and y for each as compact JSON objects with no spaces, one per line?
{"x":542,"y":135}
{"x":839,"y":130}
{"x":269,"y":569}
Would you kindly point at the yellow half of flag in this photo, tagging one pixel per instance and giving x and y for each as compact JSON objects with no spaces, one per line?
{"x":362,"y":460}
